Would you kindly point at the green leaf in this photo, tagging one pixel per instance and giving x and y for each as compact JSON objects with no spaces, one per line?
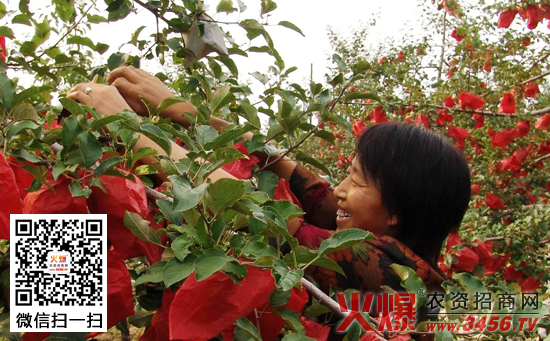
{"x":224,"y":193}
{"x":248,"y":328}
{"x":340,"y":62}
{"x":360,"y":66}
{"x":6,"y":32}
{"x":153,"y":275}
{"x":470,"y":283}
{"x":169,"y":101}
{"x":156,"y":134}
{"x":79,"y":40}
{"x":117,"y":59}
{"x":292,"y":319}
{"x":358,"y":95}
{"x":267,"y":181}
{"x":268,"y":6}
{"x":176,"y":271}
{"x":166,"y":208}
{"x":260,"y":76}
{"x":27,"y":93}
{"x":22,"y":19}
{"x":205,"y":134}
{"x":90,"y":148}
{"x":342,"y":240}
{"x":444,"y":336}
{"x":228,"y":135}
{"x":108,"y":164}
{"x":141,"y":228}
{"x":325,"y":135}
{"x":225,"y":6}
{"x":16,"y":127}
{"x":73,"y":107}
{"x":279,"y":297}
{"x":105,"y":120}
{"x":211,"y":261}
{"x":411,"y":282}
{"x":303,"y":157}
{"x":142,"y":318}
{"x":305,"y":256}
{"x":185,"y":196}
{"x":221,"y":97}
{"x":145,"y":170}
{"x":290,"y":25}
{"x":325,"y":97}
{"x":285,"y":278}
{"x":7,"y":90}
{"x":22,"y":153}
{"x":253,"y":28}
{"x":28,"y":48}
{"x":24,"y":111}
{"x":77,"y":191}
{"x":141,"y":153}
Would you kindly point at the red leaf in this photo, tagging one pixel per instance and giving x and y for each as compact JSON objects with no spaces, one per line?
{"x":59,"y":202}
{"x":529,"y":284}
{"x":459,"y":135}
{"x":449,"y":102}
{"x":241,"y":168}
{"x":511,"y":274}
{"x":470,"y":101}
{"x":531,"y":90}
{"x":543,"y":122}
{"x":159,"y":330}
{"x":22,"y":177}
{"x":358,"y":127}
{"x":533,"y":15}
{"x":467,"y":259}
{"x":504,"y":137}
{"x":458,"y":37}
{"x":400,"y":56}
{"x":505,"y":18}
{"x":480,"y":120}
{"x":283,"y":192}
{"x":315,"y":330}
{"x":11,"y":201}
{"x":3,"y":48}
{"x":507,"y":104}
{"x":202,"y":310}
{"x":123,"y":195}
{"x":119,"y":291}
{"x":36,"y":336}
{"x":422,"y":120}
{"x":523,"y":128}
{"x":493,"y":201}
{"x":379,"y":115}
{"x":476,"y":188}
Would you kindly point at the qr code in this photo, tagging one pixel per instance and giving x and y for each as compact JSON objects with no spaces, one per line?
{"x":58,"y":270}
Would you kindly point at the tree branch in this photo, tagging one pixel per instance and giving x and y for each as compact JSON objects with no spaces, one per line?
{"x":155,"y":13}
{"x":442,"y":57}
{"x":540,"y":60}
{"x":535,"y":78}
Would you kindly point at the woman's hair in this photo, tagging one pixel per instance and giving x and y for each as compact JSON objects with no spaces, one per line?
{"x":423,"y":179}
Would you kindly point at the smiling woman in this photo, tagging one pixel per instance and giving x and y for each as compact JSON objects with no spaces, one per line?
{"x":407,"y":185}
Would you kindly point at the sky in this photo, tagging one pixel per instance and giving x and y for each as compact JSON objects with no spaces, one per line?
{"x":395,"y":17}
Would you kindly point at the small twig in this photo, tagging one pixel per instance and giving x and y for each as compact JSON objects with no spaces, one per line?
{"x":66,"y":34}
{"x":535,"y":78}
{"x":155,"y":13}
{"x":539,"y":60}
{"x":442,"y":56}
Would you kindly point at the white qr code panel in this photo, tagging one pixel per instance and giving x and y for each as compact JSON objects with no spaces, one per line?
{"x":58,"y":274}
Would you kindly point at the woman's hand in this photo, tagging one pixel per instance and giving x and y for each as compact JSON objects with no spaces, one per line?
{"x":132,"y":82}
{"x":104,"y":98}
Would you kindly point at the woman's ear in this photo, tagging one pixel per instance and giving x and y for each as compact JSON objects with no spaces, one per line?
{"x":392,"y":221}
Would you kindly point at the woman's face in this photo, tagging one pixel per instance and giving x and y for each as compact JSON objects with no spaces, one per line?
{"x":360,"y":204}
